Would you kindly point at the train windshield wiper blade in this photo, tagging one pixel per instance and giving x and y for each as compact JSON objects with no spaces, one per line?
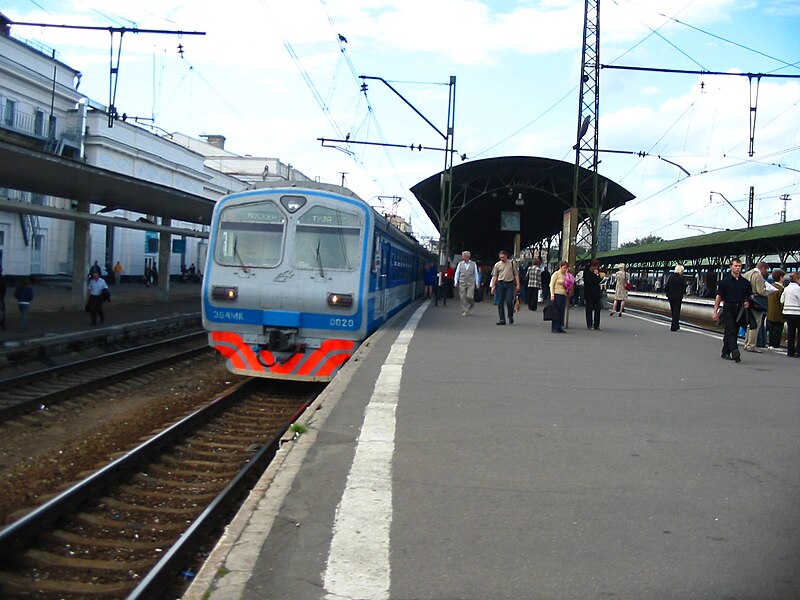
{"x":239,"y":256}
{"x":319,"y":258}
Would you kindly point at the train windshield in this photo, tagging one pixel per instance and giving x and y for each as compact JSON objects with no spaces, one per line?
{"x":328,"y":238}
{"x":250,"y":235}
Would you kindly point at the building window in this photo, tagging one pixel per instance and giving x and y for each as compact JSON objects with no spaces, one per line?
{"x":38,"y":123}
{"x":8,"y":114}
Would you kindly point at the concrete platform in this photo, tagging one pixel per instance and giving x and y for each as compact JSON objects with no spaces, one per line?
{"x":458,"y":459}
{"x":55,"y":327}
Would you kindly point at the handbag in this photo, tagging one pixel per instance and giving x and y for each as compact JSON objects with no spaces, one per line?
{"x":549,"y":312}
{"x":746,"y":318}
{"x":478,"y":294}
{"x":758,"y":303}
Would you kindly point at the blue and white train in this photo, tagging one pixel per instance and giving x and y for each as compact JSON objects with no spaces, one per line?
{"x":297,"y":276}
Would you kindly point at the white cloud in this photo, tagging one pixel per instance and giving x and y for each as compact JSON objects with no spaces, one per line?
{"x":515,"y":65}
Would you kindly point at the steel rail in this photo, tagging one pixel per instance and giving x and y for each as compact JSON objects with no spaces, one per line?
{"x":49,"y":398}
{"x":162,"y":575}
{"x":19,"y":533}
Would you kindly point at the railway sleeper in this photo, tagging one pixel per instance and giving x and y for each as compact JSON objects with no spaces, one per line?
{"x":164,"y":471}
{"x":215,"y":443}
{"x":39,"y":558}
{"x":59,"y":536}
{"x":213,"y":466}
{"x":128,"y":507}
{"x":192,"y":452}
{"x":160,"y":482}
{"x":25,"y":586}
{"x":132,"y":490}
{"x":114,"y":525}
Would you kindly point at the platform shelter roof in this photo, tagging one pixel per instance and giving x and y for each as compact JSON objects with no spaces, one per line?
{"x":39,"y":172}
{"x":539,"y":189}
{"x":765,"y":240}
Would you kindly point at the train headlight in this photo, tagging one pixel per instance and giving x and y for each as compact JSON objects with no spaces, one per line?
{"x":340,"y":300}
{"x":224,"y":292}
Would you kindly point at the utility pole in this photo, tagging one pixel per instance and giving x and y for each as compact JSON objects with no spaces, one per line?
{"x":446,"y":183}
{"x":586,"y":146}
{"x":446,"y":205}
{"x":785,"y":199}
{"x":114,"y":68}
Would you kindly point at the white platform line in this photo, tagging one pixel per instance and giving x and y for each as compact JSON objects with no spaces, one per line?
{"x":711,"y":334}
{"x":358,"y":562}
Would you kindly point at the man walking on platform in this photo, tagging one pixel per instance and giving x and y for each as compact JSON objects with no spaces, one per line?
{"x":756,"y":277}
{"x":117,"y":273}
{"x":505,"y":283}
{"x":534,"y":276}
{"x":467,"y":280}
{"x":733,"y":292}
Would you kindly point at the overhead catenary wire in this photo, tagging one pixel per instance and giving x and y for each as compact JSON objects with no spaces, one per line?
{"x":371,"y":115}
{"x":706,"y":171}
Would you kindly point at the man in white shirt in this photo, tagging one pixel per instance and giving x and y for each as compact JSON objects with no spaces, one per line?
{"x":467,"y":280}
{"x":98,"y":288}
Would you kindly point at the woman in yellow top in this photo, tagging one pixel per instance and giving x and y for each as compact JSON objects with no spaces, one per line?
{"x":558,"y":296}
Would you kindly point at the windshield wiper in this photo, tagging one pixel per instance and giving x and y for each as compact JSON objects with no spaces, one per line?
{"x":319,"y":258}
{"x":239,"y":256}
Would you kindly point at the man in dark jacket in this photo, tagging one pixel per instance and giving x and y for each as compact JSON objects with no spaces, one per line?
{"x":675,"y":288}
{"x":733,"y":292}
{"x":593,"y":294}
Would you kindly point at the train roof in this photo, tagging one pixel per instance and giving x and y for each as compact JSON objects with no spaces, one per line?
{"x":309,"y":185}
{"x":381,"y":222}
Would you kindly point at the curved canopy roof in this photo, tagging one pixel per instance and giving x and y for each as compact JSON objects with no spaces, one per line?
{"x":539,"y":189}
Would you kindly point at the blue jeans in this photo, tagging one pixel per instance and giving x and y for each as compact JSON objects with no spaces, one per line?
{"x":505,"y":298}
{"x":23,"y":312}
{"x":557,"y":324}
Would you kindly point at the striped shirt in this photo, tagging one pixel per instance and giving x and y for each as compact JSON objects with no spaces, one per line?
{"x":535,"y":276}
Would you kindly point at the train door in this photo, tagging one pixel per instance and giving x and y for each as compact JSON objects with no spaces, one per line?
{"x":415,"y":273}
{"x":380,"y":270}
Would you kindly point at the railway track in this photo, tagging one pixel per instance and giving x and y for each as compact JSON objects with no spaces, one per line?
{"x":130,"y":529}
{"x":40,"y":389}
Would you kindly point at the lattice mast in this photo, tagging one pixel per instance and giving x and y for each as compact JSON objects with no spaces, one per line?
{"x":586,"y":146}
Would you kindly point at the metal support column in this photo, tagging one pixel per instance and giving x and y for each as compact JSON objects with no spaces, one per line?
{"x":80,"y":258}
{"x":586,"y":146}
{"x":164,"y":250}
{"x":446,"y":205}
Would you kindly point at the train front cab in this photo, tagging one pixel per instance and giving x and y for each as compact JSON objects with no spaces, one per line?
{"x":299,"y":308}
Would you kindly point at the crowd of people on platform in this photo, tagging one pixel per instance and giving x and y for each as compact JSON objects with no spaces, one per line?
{"x":755,"y":304}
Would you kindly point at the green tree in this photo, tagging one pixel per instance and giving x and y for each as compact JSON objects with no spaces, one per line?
{"x":648,"y":239}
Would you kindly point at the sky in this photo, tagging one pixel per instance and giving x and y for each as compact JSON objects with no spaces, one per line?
{"x":273,"y":76}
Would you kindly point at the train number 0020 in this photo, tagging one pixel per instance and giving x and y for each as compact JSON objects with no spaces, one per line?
{"x":339,"y":322}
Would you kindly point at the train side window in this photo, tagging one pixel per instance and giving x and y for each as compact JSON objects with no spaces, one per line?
{"x":327,"y":238}
{"x":250,"y":235}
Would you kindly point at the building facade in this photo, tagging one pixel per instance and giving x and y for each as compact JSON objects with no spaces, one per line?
{"x":42,"y":109}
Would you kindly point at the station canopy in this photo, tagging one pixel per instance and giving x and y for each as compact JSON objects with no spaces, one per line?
{"x":776,"y":239}
{"x":38,"y":172}
{"x":486,"y":191}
